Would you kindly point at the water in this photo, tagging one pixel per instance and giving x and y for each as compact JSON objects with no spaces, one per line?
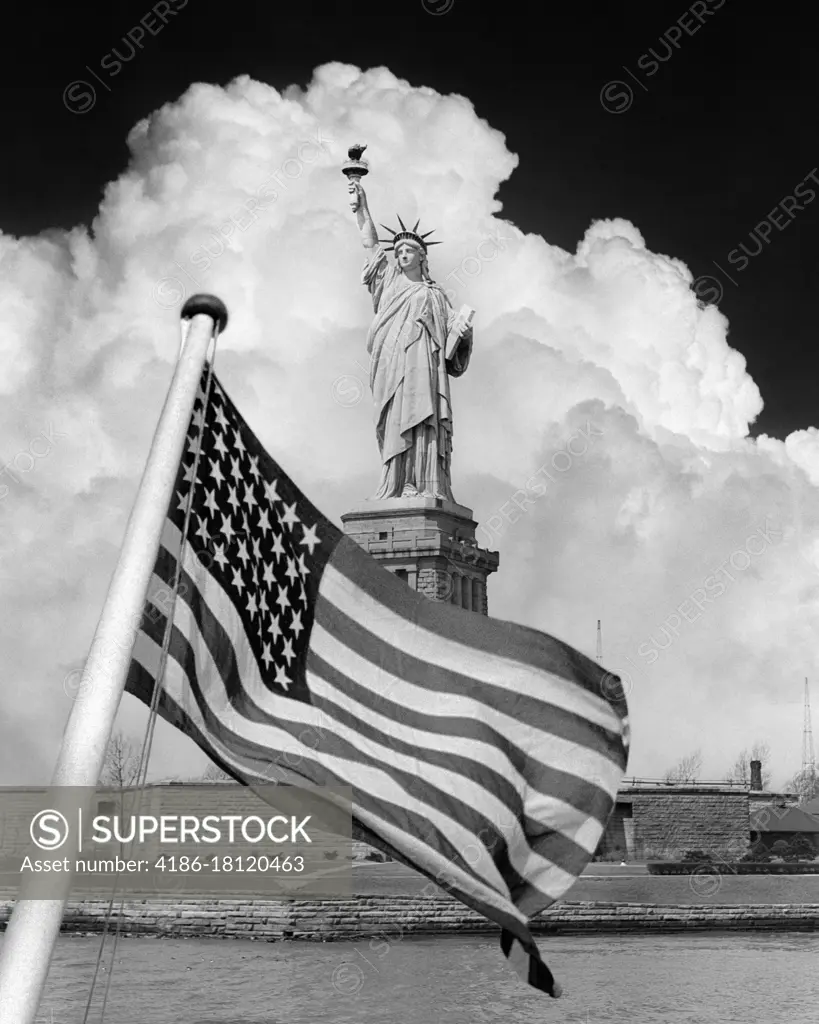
{"x":640,"y":979}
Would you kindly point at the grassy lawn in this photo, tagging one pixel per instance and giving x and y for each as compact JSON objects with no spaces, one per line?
{"x":394,"y":880}
{"x":675,"y":889}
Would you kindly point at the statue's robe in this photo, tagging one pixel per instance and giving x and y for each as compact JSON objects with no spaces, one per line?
{"x":409,"y":378}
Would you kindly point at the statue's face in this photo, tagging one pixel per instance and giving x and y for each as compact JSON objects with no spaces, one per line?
{"x":408,"y":256}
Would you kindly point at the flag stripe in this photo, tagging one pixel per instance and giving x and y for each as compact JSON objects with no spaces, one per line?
{"x":486,"y":641}
{"x":493,"y":663}
{"x":409,"y":679}
{"x":397,"y":678}
{"x":523,"y":955}
{"x":486,"y":764}
{"x":580,"y":835}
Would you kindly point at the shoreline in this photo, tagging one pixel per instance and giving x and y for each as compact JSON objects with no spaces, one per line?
{"x":366,"y":916}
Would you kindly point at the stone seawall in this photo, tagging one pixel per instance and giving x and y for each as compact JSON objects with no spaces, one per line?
{"x":399,"y":916}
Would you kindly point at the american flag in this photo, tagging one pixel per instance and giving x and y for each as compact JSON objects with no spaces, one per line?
{"x":484,"y":754}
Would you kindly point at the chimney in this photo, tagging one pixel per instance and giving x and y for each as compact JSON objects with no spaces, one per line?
{"x":756,"y":775}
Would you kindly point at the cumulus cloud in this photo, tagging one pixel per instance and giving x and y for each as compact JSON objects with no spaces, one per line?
{"x":601,"y":433}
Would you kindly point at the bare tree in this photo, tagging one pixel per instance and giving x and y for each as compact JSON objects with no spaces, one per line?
{"x":805,"y":783}
{"x":687,"y":769}
{"x":213,"y":773}
{"x":741,"y":770}
{"x":121,"y":766}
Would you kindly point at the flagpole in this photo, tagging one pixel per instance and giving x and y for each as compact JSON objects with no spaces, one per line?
{"x":34,"y":925}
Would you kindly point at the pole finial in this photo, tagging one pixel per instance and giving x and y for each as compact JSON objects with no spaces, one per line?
{"x":210,"y":306}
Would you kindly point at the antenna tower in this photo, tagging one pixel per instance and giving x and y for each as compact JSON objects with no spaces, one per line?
{"x":808,"y":757}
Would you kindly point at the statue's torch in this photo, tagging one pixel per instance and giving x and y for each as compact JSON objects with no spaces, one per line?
{"x":354,"y":170}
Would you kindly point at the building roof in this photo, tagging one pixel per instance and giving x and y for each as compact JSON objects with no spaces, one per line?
{"x":811,"y":806}
{"x":776,"y":819}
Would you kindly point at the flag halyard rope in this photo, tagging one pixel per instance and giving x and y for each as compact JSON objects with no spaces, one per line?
{"x":147,"y":743}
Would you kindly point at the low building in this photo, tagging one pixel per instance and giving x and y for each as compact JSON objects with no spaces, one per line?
{"x":781,"y":823}
{"x":812,"y":806}
{"x":656,"y":819}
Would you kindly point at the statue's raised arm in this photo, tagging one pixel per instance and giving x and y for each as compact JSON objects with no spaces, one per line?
{"x":354,"y":170}
{"x":358,"y":204}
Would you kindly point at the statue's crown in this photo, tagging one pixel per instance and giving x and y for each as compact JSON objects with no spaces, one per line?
{"x":406,"y":235}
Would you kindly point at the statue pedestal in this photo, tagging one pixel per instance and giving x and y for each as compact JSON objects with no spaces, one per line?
{"x":428,"y":542}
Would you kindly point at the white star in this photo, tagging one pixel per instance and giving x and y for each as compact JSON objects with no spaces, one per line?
{"x":267,"y":657}
{"x":303,"y":565}
{"x":233,"y":498}
{"x":198,"y":418}
{"x":289,"y":518}
{"x":296,"y":625}
{"x":269,"y":575}
{"x":221,"y":419}
{"x":255,"y":574}
{"x":183,"y":500}
{"x":303,"y":595}
{"x":203,"y":529}
{"x":310,"y":539}
{"x":292,"y":572}
{"x":278,"y":547}
{"x":239,"y":443}
{"x":193,"y":444}
{"x":219,"y":556}
{"x":257,"y":549}
{"x":227,"y":527}
{"x":216,"y":472}
{"x":254,"y":467}
{"x":235,"y":471}
{"x":238,"y":582}
{"x":187,"y":471}
{"x":264,"y":521}
{"x":210,"y":503}
{"x":249,"y":498}
{"x":283,"y":600}
{"x":263,"y":602}
{"x":220,"y":446}
{"x":274,"y":627}
{"x":281,"y":678}
{"x":271,"y":492}
{"x":288,"y":652}
{"x":252,"y":606}
{"x":242,"y":553}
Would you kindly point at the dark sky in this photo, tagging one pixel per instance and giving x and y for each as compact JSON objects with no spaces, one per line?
{"x":719,"y":129}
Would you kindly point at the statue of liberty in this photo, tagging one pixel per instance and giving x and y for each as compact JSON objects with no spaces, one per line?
{"x":409,"y":370}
